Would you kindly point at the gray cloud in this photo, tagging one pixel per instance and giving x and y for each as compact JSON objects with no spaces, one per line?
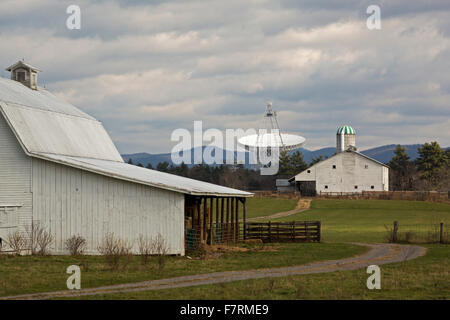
{"x":146,"y":68}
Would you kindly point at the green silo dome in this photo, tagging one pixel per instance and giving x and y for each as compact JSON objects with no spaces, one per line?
{"x":345,"y":130}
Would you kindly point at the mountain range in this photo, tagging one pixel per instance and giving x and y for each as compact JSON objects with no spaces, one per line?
{"x":383,"y":154}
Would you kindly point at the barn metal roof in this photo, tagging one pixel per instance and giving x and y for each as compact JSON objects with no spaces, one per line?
{"x":54,"y":130}
{"x":16,"y":93}
{"x":125,"y":171}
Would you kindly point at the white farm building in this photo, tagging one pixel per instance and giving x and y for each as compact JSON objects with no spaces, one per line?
{"x":348,"y":171}
{"x":60,"y":168}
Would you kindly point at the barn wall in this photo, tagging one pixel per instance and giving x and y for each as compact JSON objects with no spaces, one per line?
{"x":351,"y":170}
{"x":70,"y":202}
{"x":15,"y":183}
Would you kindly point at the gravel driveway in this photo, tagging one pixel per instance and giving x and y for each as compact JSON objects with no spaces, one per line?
{"x":377,"y":254}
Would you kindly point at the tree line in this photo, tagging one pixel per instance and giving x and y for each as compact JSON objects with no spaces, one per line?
{"x":236,"y":176}
{"x":430,"y":171}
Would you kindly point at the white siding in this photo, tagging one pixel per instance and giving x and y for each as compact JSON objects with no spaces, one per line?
{"x":351,"y":169}
{"x":15,"y":182}
{"x":71,"y":201}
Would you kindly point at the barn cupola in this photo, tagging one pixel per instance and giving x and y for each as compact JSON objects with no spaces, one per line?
{"x":345,"y":139}
{"x":24,"y":73}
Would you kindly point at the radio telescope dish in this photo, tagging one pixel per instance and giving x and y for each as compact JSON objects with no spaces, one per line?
{"x":271,"y":136}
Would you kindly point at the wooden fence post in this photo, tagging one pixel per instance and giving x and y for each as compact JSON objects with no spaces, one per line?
{"x":395,"y":232}
{"x":320,"y":231}
{"x":293,"y":231}
{"x":441,"y":233}
{"x":205,"y":209}
{"x":211,"y":206}
{"x":232,"y":220}
{"x":227,"y":220}
{"x":278,"y":231}
{"x":245,"y":216}
{"x":237,"y":219}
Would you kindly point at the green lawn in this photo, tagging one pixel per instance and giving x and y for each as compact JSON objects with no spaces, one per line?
{"x":342,"y":221}
{"x":427,"y":277}
{"x":261,"y":207}
{"x":365,"y":220}
{"x":28,"y":274}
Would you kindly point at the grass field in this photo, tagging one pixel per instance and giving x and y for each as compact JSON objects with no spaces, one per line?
{"x":261,"y":207}
{"x":427,"y":277}
{"x":28,"y":274}
{"x":366,"y":220}
{"x":342,"y":220}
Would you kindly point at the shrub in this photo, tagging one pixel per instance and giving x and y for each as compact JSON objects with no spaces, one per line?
{"x":17,"y":242}
{"x":114,"y":249}
{"x":76,"y":245}
{"x":39,"y":240}
{"x":146,"y":247}
{"x":161,"y":250}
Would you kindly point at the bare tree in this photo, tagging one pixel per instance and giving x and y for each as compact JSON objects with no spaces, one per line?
{"x":39,"y":239}
{"x":146,"y":247}
{"x":17,"y":242}
{"x":44,"y":239}
{"x":76,"y":245}
{"x":161,"y":250}
{"x":114,"y":248}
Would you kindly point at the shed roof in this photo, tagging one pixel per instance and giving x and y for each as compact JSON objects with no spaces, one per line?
{"x":22,"y":64}
{"x":125,"y":171}
{"x":54,"y":130}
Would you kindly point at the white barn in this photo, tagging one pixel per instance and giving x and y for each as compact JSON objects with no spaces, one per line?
{"x":348,"y":171}
{"x":59,"y":167}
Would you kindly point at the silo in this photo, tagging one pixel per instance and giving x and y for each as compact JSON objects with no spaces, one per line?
{"x":345,"y":138}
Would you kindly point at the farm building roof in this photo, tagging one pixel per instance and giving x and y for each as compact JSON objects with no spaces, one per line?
{"x":54,"y":130}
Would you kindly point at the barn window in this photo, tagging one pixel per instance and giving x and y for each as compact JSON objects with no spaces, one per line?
{"x":334,"y":166}
{"x":326,"y":187}
{"x":309,"y":171}
{"x":356,"y":187}
{"x":372,"y":187}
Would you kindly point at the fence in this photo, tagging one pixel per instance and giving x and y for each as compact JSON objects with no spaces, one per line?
{"x":219,"y":233}
{"x":229,"y":233}
{"x":295,"y":231}
{"x":390,"y":195}
{"x":419,"y":233}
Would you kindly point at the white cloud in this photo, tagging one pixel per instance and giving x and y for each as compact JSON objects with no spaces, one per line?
{"x":145,"y":70}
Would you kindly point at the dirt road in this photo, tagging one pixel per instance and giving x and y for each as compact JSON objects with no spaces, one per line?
{"x":377,"y":254}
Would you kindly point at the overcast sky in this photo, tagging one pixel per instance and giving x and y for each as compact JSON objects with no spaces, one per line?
{"x":145,"y":68}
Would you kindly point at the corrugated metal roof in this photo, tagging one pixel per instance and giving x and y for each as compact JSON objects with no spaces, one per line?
{"x":54,"y":130}
{"x":125,"y":171}
{"x":15,"y":92}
